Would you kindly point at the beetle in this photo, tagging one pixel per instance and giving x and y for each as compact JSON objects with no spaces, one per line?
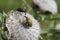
{"x":27,"y":20}
{"x":21,"y":10}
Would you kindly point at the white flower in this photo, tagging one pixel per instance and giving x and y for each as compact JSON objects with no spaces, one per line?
{"x":47,"y":5}
{"x":15,"y":26}
{"x":58,"y":26}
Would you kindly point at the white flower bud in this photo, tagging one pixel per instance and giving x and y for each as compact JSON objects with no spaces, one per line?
{"x":15,"y":26}
{"x":47,"y":5}
{"x":58,"y":26}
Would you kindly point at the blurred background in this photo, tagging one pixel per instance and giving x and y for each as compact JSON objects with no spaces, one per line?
{"x":48,"y":22}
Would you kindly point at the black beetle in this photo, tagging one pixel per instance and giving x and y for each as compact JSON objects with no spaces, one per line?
{"x":21,"y":10}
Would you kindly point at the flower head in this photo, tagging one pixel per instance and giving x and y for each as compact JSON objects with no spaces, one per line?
{"x":47,"y":5}
{"x":16,"y":24}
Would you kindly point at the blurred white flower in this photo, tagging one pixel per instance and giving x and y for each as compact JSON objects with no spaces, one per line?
{"x":47,"y":5}
{"x":58,"y":26}
{"x":16,"y":28}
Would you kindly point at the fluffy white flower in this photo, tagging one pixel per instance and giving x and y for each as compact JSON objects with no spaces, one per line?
{"x":15,"y":26}
{"x":58,"y":26}
{"x":47,"y":5}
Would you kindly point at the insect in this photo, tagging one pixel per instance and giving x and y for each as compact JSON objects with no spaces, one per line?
{"x":21,"y":10}
{"x":28,"y":22}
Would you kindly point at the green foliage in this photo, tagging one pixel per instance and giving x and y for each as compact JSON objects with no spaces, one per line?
{"x":48,"y":22}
